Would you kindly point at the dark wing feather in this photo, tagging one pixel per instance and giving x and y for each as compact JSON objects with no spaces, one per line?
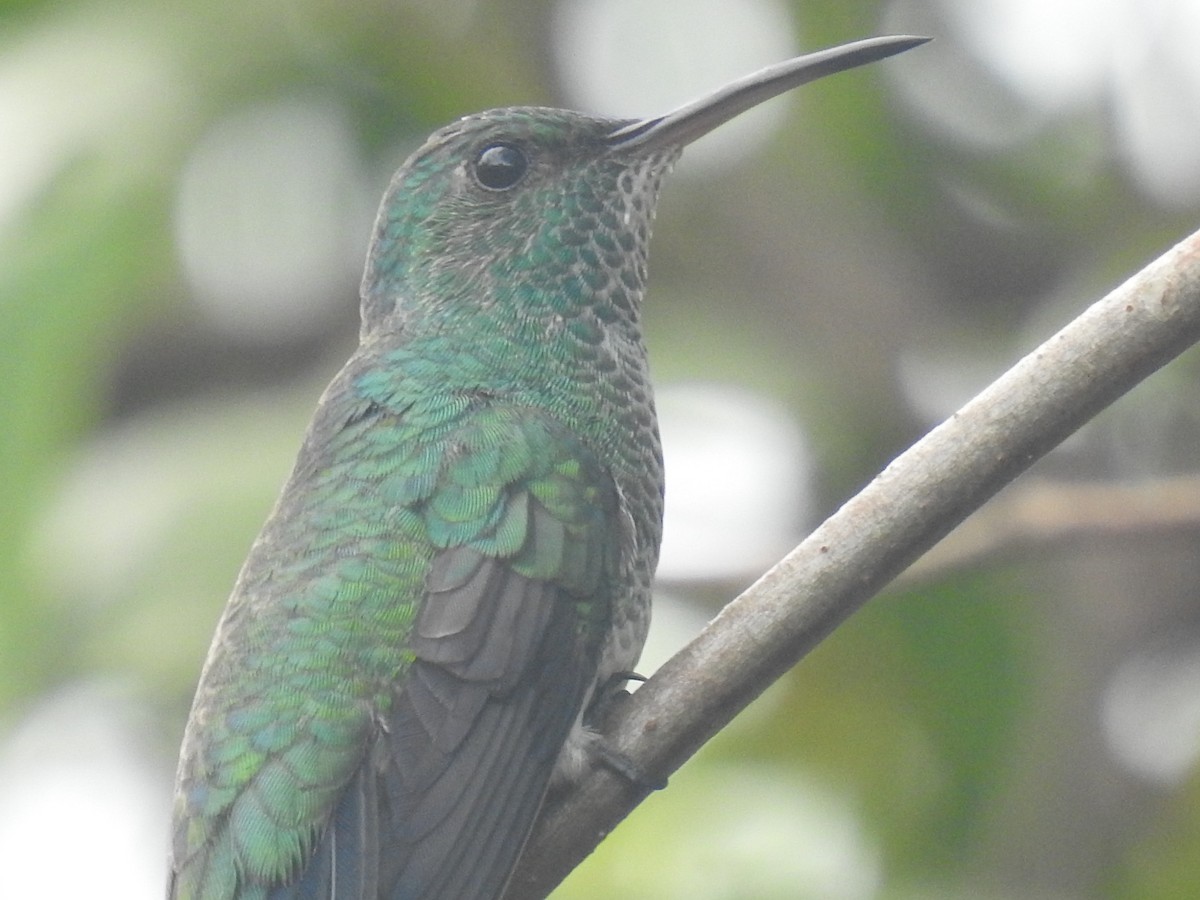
{"x":505,"y":647}
{"x":473,"y":745}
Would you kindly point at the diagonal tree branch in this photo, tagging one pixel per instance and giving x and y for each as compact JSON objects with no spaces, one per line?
{"x":911,"y":505}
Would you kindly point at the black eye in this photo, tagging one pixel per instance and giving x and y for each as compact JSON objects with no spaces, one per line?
{"x":500,"y":166}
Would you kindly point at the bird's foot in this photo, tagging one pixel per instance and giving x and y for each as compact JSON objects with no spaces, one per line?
{"x":604,"y":754}
{"x":599,"y":751}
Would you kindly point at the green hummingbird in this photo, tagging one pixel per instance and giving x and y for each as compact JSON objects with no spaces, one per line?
{"x":459,"y":565}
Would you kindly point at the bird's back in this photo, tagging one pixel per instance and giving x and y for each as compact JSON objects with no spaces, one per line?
{"x":408,"y":646}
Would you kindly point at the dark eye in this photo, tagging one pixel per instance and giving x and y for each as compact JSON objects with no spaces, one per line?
{"x":500,"y":166}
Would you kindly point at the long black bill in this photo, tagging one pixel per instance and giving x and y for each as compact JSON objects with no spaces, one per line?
{"x":698,"y":118}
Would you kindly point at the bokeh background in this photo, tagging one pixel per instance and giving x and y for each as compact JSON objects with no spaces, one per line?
{"x":186,"y":192}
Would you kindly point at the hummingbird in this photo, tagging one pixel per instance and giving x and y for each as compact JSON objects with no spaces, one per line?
{"x":458,"y":569}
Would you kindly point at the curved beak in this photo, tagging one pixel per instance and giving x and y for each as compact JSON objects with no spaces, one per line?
{"x":692,"y":120}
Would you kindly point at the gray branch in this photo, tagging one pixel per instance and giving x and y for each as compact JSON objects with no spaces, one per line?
{"x":1037,"y":515}
{"x":911,"y":505}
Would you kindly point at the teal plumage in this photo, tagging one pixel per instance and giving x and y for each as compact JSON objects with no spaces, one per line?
{"x":438,"y":582}
{"x":462,"y":556}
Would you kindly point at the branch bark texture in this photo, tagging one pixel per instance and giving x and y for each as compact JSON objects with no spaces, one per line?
{"x":911,"y":505}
